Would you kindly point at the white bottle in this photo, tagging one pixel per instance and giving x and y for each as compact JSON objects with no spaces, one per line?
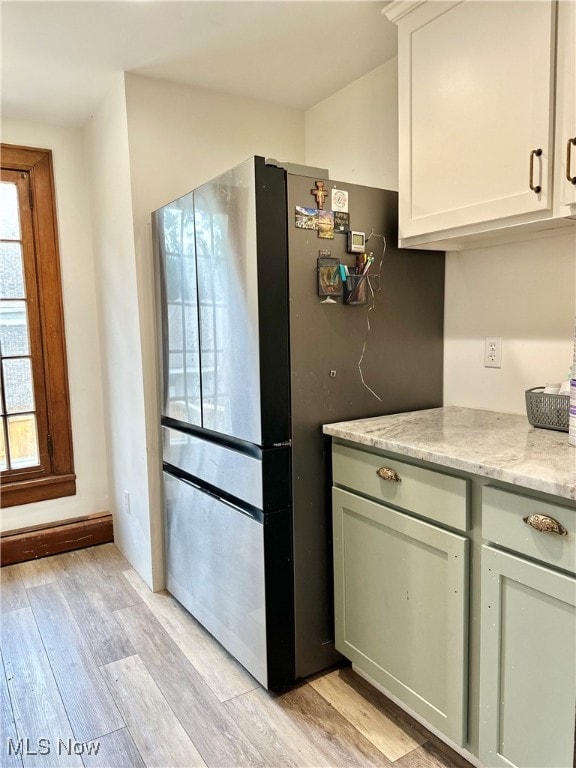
{"x":572,"y":414}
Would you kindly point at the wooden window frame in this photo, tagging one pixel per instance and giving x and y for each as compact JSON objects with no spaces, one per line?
{"x":59,"y":479}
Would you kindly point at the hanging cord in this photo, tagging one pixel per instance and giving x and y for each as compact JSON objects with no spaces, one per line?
{"x":374,"y":289}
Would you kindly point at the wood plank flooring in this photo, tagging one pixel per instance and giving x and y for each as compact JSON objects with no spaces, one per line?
{"x":98,"y":672}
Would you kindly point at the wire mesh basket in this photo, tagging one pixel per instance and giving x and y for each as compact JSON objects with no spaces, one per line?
{"x":547,"y":411}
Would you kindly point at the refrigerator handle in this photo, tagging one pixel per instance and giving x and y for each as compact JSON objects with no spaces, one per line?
{"x":162,"y":326}
{"x":203,"y":489}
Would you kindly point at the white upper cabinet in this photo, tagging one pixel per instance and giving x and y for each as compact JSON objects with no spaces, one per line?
{"x":477,"y":94}
{"x":565,"y":162}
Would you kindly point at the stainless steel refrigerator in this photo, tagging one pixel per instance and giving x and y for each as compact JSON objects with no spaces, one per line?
{"x":253,"y":363}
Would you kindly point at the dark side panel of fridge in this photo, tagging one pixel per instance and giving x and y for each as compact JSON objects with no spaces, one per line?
{"x":350,"y":361}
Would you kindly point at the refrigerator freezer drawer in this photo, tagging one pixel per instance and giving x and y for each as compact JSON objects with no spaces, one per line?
{"x":262,"y":481}
{"x":218,"y":569}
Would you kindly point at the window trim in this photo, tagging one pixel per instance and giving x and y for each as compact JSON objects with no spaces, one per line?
{"x":36,"y":355}
{"x":61,"y":481}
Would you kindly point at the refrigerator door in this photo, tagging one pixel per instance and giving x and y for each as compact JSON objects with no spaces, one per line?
{"x":225,"y":220}
{"x":175,"y":246}
{"x":232,"y":571}
{"x":241,"y":252}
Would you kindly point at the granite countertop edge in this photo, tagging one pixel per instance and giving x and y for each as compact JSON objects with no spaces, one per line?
{"x":504,"y":446}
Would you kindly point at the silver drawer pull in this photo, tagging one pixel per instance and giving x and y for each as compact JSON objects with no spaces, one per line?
{"x":389,"y":474}
{"x":545,"y":524}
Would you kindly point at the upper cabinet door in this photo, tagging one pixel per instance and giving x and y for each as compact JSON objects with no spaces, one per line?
{"x":226,"y":250}
{"x":565,"y":184}
{"x":174,"y":243}
{"x":476,"y":113}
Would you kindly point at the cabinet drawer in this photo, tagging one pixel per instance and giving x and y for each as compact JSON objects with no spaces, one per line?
{"x":503,"y":524}
{"x":432,"y":495}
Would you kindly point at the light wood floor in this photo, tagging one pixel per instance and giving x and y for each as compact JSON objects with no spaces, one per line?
{"x":91,"y":658}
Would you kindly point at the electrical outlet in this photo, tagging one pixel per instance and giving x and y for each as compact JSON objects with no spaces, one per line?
{"x":493,"y":352}
{"x":126,"y":502}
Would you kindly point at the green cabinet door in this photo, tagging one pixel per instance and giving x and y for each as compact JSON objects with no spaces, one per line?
{"x":527,"y":663}
{"x":401,"y":607}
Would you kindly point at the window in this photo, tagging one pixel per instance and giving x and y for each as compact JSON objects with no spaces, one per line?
{"x":36,"y":461}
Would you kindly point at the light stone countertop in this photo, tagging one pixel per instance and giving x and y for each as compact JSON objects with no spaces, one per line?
{"x":501,"y":446}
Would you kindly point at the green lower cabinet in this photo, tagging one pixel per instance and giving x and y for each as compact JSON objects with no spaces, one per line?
{"x":401,"y":607}
{"x":527,"y":663}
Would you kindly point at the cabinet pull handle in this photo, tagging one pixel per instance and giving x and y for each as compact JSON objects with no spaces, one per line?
{"x":571,"y":179}
{"x":535,"y":153}
{"x":545,"y":524}
{"x":389,"y":474}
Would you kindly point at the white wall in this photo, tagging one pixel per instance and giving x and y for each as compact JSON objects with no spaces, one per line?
{"x":181,"y":137}
{"x":81,"y":327}
{"x":107,"y":154}
{"x":524,"y":293}
{"x":354,"y":132}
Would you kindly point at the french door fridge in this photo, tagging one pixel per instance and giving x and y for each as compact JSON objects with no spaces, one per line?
{"x":252,"y":365}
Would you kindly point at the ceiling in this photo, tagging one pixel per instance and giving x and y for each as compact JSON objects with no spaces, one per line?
{"x":59,"y":58}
